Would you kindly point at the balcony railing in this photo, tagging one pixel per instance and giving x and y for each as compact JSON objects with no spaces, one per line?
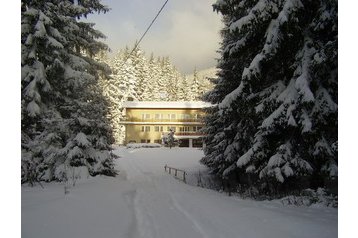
{"x":188,"y":133}
{"x":134,"y":119}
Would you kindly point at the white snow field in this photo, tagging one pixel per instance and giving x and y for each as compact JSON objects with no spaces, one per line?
{"x":144,"y":201}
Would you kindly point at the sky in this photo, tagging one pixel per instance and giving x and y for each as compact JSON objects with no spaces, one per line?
{"x":186,"y":30}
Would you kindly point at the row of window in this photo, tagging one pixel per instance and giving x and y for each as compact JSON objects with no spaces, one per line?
{"x":148,"y":141}
{"x":173,"y":128}
{"x":183,"y":143}
{"x":171,"y":116}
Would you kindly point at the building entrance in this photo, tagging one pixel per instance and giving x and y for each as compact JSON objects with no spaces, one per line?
{"x":184,"y":143}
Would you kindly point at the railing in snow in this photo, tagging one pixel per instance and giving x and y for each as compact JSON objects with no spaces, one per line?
{"x":175,"y":170}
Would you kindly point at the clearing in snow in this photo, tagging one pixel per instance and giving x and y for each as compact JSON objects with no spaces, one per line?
{"x":144,"y":201}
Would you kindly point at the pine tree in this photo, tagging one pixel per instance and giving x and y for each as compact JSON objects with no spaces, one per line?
{"x":183,"y":89}
{"x":279,"y":124}
{"x":113,"y":90}
{"x":194,"y":89}
{"x":140,"y":71}
{"x":63,"y":111}
{"x":153,"y":78}
{"x":164,"y":78}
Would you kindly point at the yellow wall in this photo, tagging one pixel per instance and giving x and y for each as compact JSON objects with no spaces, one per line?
{"x":137,"y":113}
{"x":134,"y":131}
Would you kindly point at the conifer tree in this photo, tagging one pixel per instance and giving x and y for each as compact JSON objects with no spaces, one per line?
{"x":114,"y":91}
{"x":63,"y":111}
{"x":183,"y":89}
{"x":276,"y":94}
{"x":164,"y":78}
{"x":194,"y":89}
{"x":153,"y":78}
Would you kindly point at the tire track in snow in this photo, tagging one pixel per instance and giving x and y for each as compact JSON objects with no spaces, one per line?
{"x":188,"y":216}
{"x":145,"y":185}
{"x":142,"y":225}
{"x":146,"y":228}
{"x":133,"y":228}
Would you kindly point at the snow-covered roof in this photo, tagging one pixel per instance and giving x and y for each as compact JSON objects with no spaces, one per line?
{"x":168,"y":104}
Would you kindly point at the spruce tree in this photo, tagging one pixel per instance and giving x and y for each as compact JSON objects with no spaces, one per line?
{"x":194,"y":89}
{"x":113,"y":90}
{"x":276,"y":114}
{"x":63,"y":119}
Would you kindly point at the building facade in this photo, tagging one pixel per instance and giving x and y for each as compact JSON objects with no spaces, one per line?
{"x":150,"y":122}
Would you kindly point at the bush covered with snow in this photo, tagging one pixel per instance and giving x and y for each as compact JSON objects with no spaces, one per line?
{"x":310,"y":197}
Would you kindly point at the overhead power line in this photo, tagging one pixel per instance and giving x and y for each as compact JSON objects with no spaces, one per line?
{"x":150,"y":25}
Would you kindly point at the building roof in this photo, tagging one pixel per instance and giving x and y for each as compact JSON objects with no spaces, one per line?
{"x":168,"y":104}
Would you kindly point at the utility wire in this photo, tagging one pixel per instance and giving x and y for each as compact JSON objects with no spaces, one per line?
{"x":150,"y":25}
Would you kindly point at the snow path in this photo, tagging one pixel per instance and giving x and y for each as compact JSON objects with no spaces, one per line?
{"x":145,"y":202}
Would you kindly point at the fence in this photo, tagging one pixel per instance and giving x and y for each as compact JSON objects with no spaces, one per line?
{"x":175,"y":170}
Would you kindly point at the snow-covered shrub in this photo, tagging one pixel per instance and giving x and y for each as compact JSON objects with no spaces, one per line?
{"x":310,"y":197}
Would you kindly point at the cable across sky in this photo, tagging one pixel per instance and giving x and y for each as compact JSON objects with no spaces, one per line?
{"x":150,"y":25}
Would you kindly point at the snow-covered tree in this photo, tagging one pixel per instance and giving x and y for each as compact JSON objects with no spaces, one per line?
{"x":183,"y":89}
{"x":276,"y":93}
{"x":114,"y":92}
{"x":153,"y":79}
{"x":166,"y":74}
{"x":194,"y":89}
{"x":63,"y":111}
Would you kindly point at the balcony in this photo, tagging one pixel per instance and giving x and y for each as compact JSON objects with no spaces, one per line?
{"x":188,"y":133}
{"x":135,"y":119}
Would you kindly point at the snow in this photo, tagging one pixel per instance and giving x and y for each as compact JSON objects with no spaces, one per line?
{"x":143,"y":145}
{"x":168,"y":104}
{"x":33,"y":109}
{"x":40,"y":29}
{"x":82,"y":140}
{"x":145,"y":201}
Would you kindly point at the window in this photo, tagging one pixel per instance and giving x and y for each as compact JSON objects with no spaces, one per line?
{"x":171,"y":116}
{"x":197,"y":128}
{"x":158,"y":116}
{"x":184,"y":129}
{"x":145,"y":117}
{"x":158,"y":141}
{"x":145,"y":128}
{"x":184,"y":116}
{"x":158,"y":128}
{"x":144,"y":141}
{"x":171,"y":127}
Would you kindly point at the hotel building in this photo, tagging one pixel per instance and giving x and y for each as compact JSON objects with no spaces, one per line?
{"x":149,"y":122}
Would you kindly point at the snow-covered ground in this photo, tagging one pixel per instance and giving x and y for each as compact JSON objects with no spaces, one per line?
{"x":145,"y":201}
